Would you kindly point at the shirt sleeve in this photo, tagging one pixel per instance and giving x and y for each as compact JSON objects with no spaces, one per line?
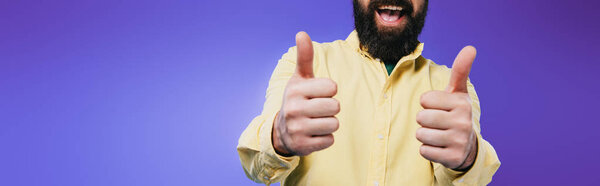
{"x":257,"y":155}
{"x":486,"y":162}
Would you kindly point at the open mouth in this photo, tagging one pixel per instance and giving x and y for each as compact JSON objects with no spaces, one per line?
{"x":390,"y":15}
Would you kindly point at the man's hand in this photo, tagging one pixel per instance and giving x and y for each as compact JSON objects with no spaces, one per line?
{"x":447,"y":128}
{"x":306,"y":120}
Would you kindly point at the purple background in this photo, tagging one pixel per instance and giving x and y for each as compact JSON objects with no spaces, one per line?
{"x":158,"y":92}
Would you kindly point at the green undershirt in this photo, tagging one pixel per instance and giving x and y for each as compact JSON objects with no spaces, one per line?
{"x":389,"y":67}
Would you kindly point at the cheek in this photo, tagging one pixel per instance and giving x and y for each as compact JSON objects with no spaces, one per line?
{"x":365,"y":3}
{"x":418,"y":5}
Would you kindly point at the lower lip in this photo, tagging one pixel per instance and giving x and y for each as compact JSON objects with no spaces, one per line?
{"x":389,"y":23}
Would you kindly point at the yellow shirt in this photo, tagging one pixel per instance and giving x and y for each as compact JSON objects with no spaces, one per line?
{"x":375,"y":144}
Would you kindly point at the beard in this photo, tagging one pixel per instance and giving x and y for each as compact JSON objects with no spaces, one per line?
{"x":389,"y":44}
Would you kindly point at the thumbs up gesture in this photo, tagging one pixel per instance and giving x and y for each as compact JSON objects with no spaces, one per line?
{"x":307,"y":119}
{"x":447,"y":131}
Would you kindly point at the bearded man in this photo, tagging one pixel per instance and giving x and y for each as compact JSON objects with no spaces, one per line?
{"x":397,"y":118}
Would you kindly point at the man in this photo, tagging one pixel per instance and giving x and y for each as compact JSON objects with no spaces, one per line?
{"x":397,"y":118}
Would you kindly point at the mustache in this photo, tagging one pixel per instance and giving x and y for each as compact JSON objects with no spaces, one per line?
{"x":407,"y":6}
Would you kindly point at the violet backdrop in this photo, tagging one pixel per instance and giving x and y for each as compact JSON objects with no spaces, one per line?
{"x":157,"y":92}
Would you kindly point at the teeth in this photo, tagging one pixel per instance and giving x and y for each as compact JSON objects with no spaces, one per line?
{"x":390,"y":7}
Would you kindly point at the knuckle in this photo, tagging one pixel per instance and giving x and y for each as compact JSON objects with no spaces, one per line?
{"x":328,"y":141}
{"x":294,"y":128}
{"x":292,"y":90}
{"x":419,"y":134}
{"x":323,"y":143}
{"x":424,"y":98}
{"x":465,"y":124}
{"x":327,"y":85}
{"x":328,"y":82}
{"x":331,"y":125}
{"x":336,"y":104}
{"x":335,"y":88}
{"x":421,"y":117}
{"x":427,"y":98}
{"x":461,"y":141}
{"x":331,"y":86}
{"x":331,"y":90}
{"x":423,"y":151}
{"x":292,"y":108}
{"x":336,"y":124}
{"x":298,"y":144}
{"x":287,"y":113}
{"x":464,"y":104}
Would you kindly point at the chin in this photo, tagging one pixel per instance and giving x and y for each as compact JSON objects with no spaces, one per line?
{"x":387,"y":32}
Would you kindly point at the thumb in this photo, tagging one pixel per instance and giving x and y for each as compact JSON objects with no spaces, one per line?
{"x":304,"y":64}
{"x":460,"y":70}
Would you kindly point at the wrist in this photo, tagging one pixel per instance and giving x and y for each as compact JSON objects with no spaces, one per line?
{"x":470,"y":159}
{"x":278,"y":144}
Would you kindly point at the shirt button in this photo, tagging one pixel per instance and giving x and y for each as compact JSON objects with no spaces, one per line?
{"x":384,"y":96}
{"x":379,"y":136}
{"x":376,"y":183}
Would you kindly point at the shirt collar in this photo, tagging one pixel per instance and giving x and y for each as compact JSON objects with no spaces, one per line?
{"x":354,"y":43}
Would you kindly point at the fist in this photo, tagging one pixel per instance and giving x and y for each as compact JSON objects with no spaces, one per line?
{"x":447,"y":128}
{"x":307,"y":119}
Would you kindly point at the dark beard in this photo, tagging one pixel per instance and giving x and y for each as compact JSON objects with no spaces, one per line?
{"x":390,"y":44}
